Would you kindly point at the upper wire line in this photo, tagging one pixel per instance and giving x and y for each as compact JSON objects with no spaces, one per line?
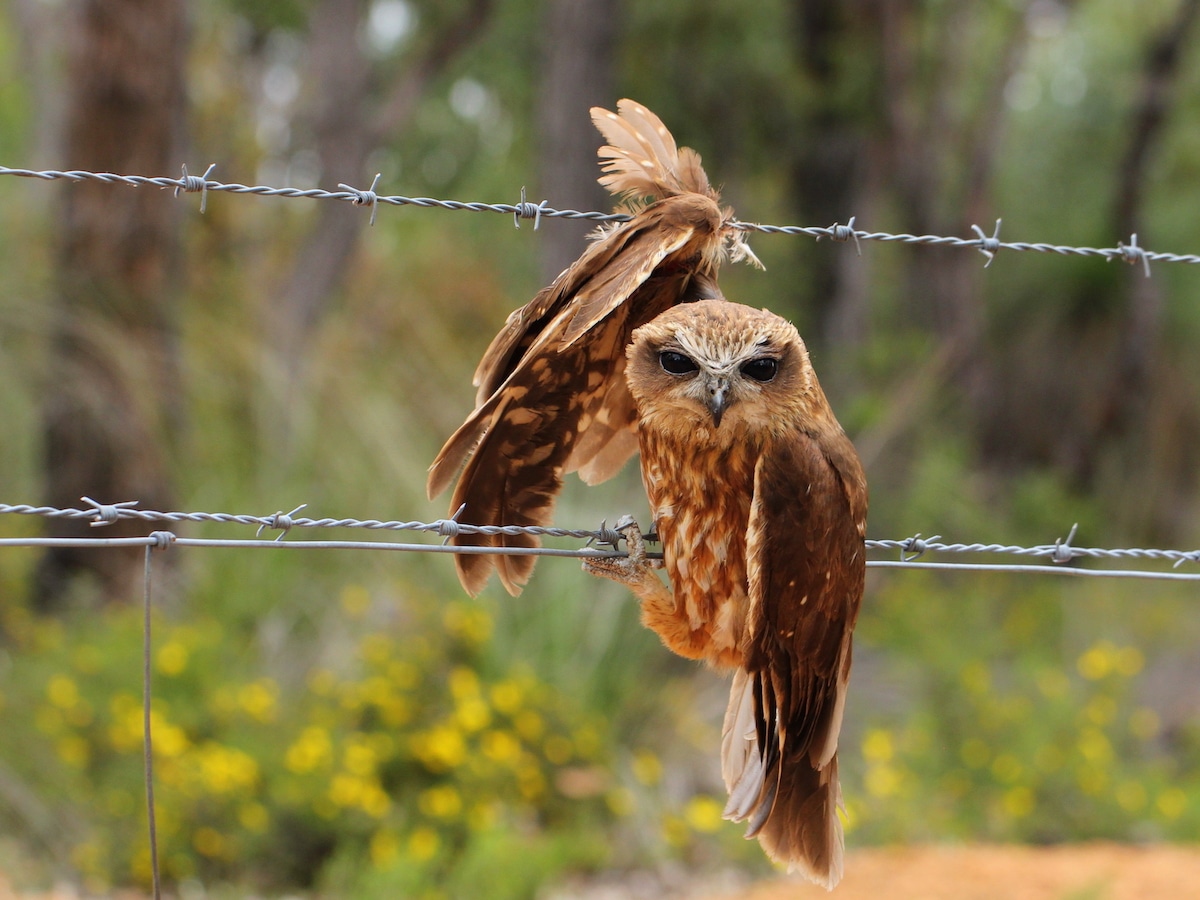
{"x":989,"y":246}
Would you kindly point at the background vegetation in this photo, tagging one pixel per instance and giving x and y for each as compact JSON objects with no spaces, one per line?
{"x":349,"y":723}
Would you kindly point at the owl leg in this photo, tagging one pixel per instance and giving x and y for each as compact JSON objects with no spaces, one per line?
{"x":659,"y":612}
{"x":635,"y":571}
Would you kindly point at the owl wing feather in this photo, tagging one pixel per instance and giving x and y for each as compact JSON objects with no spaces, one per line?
{"x":551,"y":394}
{"x":806,"y":568}
{"x":641,"y":158}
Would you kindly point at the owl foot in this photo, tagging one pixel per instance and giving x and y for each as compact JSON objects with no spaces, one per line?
{"x":635,"y":570}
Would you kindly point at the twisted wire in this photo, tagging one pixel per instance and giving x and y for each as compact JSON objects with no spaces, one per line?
{"x":601,"y":542}
{"x":989,"y":246}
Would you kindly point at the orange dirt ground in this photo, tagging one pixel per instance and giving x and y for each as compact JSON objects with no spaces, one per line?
{"x":1067,"y":872}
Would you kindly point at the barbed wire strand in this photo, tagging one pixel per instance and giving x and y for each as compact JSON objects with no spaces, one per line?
{"x":988,"y":245}
{"x":1061,"y":552}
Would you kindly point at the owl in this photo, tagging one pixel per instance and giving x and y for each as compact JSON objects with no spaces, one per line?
{"x":552,"y":397}
{"x":760,"y":503}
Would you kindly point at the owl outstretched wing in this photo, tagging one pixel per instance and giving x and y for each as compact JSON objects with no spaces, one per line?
{"x":551,"y":390}
{"x":806,"y":569}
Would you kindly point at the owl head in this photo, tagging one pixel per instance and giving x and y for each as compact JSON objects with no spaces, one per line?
{"x":719,"y":371}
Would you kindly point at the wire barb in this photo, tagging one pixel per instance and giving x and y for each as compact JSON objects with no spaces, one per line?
{"x":280,"y":521}
{"x":108,"y":513}
{"x":989,"y":246}
{"x":1132,"y":253}
{"x":1063,"y":551}
{"x":916,"y":545}
{"x":843,"y":233}
{"x":527,"y":210}
{"x":190,"y":184}
{"x":365,"y":198}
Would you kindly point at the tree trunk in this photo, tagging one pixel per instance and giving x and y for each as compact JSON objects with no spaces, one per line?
{"x":577,"y":75}
{"x":111,"y":406}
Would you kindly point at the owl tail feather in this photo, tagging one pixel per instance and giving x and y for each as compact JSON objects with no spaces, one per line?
{"x":790,"y":804}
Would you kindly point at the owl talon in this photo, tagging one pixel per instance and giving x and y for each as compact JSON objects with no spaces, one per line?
{"x":629,"y":570}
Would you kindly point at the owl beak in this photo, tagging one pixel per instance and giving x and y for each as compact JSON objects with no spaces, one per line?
{"x":718,"y":399}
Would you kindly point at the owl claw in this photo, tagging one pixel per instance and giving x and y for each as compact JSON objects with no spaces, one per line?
{"x":629,"y":570}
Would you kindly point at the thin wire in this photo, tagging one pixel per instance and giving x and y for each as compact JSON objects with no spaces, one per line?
{"x":147,"y":744}
{"x":987,"y":245}
{"x":1058,"y":553}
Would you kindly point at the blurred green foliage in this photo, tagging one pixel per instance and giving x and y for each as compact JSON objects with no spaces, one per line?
{"x":350,"y":724}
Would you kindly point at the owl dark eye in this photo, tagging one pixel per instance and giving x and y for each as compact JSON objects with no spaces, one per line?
{"x":762,"y":370}
{"x":676,"y":363}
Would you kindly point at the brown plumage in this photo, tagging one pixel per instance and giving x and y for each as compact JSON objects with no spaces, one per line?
{"x":760,"y":503}
{"x":552,"y":397}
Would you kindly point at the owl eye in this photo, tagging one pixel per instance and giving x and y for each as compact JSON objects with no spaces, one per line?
{"x":676,"y":363}
{"x":762,"y":370}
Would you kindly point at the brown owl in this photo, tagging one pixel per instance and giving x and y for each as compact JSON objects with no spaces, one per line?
{"x":760,"y":503}
{"x":552,"y":397}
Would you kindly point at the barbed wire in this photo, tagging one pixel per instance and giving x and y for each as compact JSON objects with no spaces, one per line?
{"x":910,"y":550}
{"x":988,"y":245}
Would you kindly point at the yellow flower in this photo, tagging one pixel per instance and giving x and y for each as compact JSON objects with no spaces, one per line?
{"x":1018,"y":802}
{"x":1101,"y":709}
{"x":311,"y":750}
{"x":254,"y":817}
{"x":1007,"y":768}
{"x":878,"y":746}
{"x":169,"y":740}
{"x":374,"y":801}
{"x":1097,"y":661}
{"x":482,"y":816}
{"x":62,"y":692}
{"x":1094,"y":746}
{"x":1131,"y":796}
{"x":882,"y":780}
{"x":468,"y":623}
{"x":321,"y":682}
{"x":558,"y":750}
{"x":423,"y":843}
{"x":359,"y":757}
{"x":703,"y":814}
{"x":1172,"y":803}
{"x":976,"y":678}
{"x":442,"y":802}
{"x":226,"y":769}
{"x":376,"y":649}
{"x":530,"y":781}
{"x":620,"y":801}
{"x":975,"y":753}
{"x":258,"y":698}
{"x":472,"y":714}
{"x":403,"y":674}
{"x":440,"y":749}
{"x":529,"y":725}
{"x":647,"y":768}
{"x":172,"y":658}
{"x":355,"y":600}
{"x":1053,"y":683}
{"x":500,"y":746}
{"x":506,"y":696}
{"x":346,"y":790}
{"x":384,"y":848}
{"x":74,"y":751}
{"x":674,"y":830}
{"x":1129,"y":661}
{"x":209,"y":842}
{"x":464,"y":683}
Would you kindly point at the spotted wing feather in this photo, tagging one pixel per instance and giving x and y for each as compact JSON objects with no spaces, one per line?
{"x":806,"y":570}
